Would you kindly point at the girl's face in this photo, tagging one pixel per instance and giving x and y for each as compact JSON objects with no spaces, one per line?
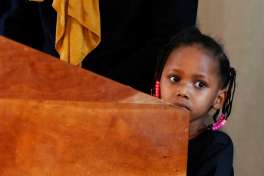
{"x":190,"y":80}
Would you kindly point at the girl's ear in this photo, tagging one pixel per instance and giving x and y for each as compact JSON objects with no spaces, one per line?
{"x":220,"y":99}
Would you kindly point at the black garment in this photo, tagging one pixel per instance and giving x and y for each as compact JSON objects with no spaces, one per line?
{"x":210,"y":154}
{"x":20,"y":22}
{"x":132,"y":31}
{"x":4,"y":6}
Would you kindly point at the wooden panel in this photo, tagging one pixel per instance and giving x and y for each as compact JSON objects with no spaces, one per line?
{"x":50,"y":125}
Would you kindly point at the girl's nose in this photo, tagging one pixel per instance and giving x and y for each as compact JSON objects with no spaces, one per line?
{"x":182,"y":91}
{"x":182,"y":94}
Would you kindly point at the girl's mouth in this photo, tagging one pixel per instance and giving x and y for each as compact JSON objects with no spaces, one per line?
{"x":182,"y":105}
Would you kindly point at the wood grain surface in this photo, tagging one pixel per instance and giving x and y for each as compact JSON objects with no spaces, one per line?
{"x":60,"y":120}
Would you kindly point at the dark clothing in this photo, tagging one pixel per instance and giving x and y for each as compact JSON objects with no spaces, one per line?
{"x":4,"y":6}
{"x":132,"y":31}
{"x":210,"y":154}
{"x":20,"y":22}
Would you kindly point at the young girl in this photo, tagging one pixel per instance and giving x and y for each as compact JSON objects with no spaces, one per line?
{"x":194,"y":73}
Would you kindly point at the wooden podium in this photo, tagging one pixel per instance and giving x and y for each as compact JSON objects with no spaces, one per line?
{"x":59,"y":120}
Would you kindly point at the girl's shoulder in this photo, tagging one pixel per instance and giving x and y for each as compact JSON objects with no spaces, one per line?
{"x":219,"y":137}
{"x":211,"y":143}
{"x":212,"y":138}
{"x":210,"y":152}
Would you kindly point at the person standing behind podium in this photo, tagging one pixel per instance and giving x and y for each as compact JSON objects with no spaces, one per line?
{"x":194,"y":74}
{"x":131,"y":33}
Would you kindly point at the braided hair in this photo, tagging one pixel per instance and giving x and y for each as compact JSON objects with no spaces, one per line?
{"x":193,"y":37}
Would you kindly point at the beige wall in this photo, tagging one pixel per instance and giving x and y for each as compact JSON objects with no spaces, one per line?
{"x":240,"y":26}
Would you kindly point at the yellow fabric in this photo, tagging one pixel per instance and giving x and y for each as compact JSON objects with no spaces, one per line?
{"x":77,"y":29}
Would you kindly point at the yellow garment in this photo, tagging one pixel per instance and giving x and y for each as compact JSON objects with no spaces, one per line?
{"x":77,"y":29}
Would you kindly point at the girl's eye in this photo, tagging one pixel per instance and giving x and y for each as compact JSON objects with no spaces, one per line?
{"x":200,"y":84}
{"x":174,"y":78}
